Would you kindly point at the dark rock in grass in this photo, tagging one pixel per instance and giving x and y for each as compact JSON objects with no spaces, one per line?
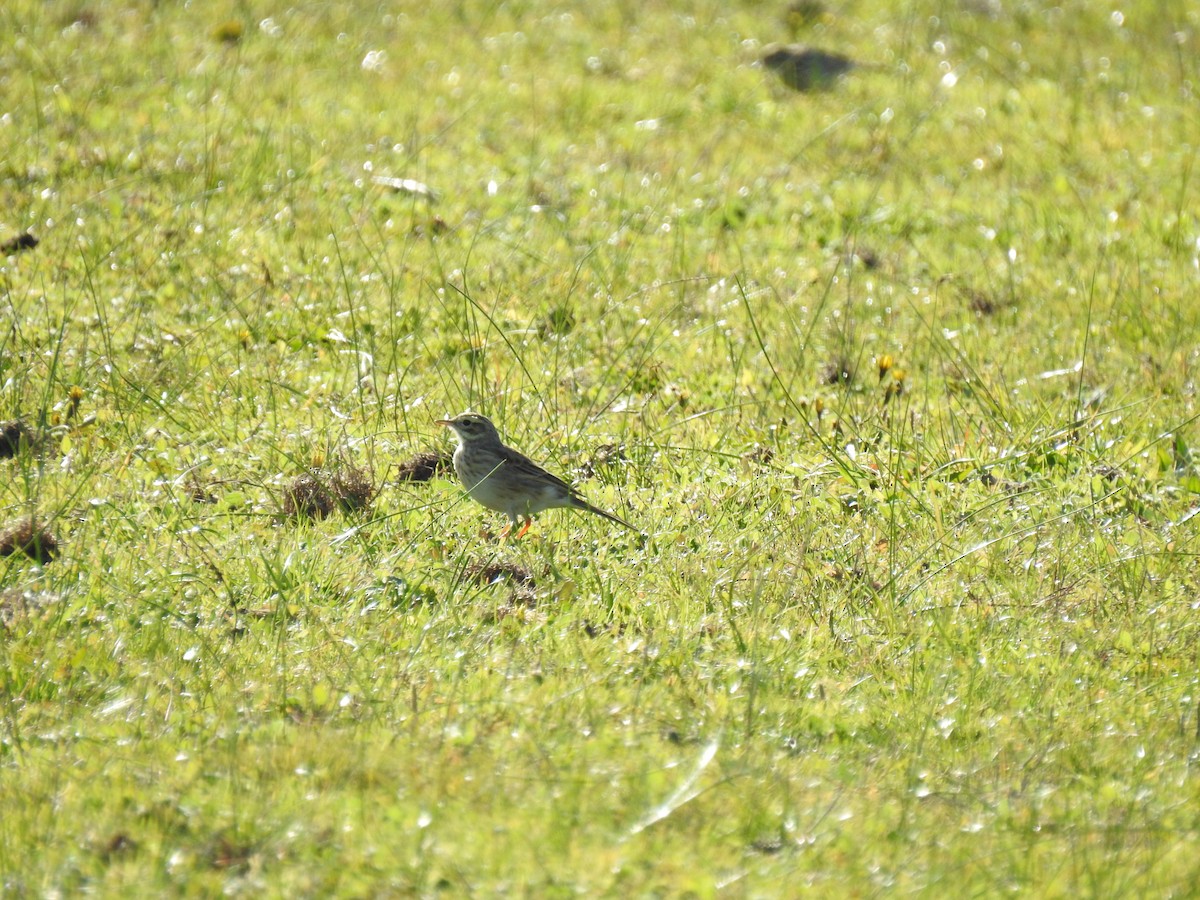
{"x":307,"y":496}
{"x":13,"y":436}
{"x":805,"y":68}
{"x":19,"y":244}
{"x":424,"y":467}
{"x":30,"y":537}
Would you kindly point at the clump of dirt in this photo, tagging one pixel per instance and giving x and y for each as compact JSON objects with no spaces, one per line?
{"x":353,"y":489}
{"x":15,"y":436}
{"x":307,"y":496}
{"x":424,"y":467}
{"x":316,"y":494}
{"x":30,"y":537}
{"x":521,"y":600}
{"x":19,"y":244}
{"x":491,"y":572}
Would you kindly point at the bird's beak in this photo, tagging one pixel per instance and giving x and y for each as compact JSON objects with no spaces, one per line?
{"x":445,"y":422}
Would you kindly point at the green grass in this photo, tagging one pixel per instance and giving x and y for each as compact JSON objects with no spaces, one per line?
{"x":898,"y":378}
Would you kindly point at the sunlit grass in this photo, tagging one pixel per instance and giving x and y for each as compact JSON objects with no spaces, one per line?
{"x":898,"y":377}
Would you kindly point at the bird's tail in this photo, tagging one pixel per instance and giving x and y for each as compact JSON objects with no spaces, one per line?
{"x":583,"y":504}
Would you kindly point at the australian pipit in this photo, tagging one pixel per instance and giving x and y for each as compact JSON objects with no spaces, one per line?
{"x":502,"y":479}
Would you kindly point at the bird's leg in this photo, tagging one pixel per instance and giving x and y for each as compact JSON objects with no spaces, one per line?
{"x":524,"y":528}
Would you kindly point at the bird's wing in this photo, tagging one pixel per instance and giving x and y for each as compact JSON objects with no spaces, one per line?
{"x":520,"y":460}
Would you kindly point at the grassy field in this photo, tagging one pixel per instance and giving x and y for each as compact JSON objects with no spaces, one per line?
{"x":899,"y":378}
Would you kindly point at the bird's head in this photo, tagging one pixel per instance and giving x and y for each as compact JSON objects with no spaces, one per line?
{"x":471,"y":426}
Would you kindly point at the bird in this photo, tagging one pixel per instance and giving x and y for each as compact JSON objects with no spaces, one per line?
{"x":805,"y":68}
{"x":501,"y":478}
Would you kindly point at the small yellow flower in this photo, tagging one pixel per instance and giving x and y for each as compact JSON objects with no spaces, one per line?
{"x":75,"y":396}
